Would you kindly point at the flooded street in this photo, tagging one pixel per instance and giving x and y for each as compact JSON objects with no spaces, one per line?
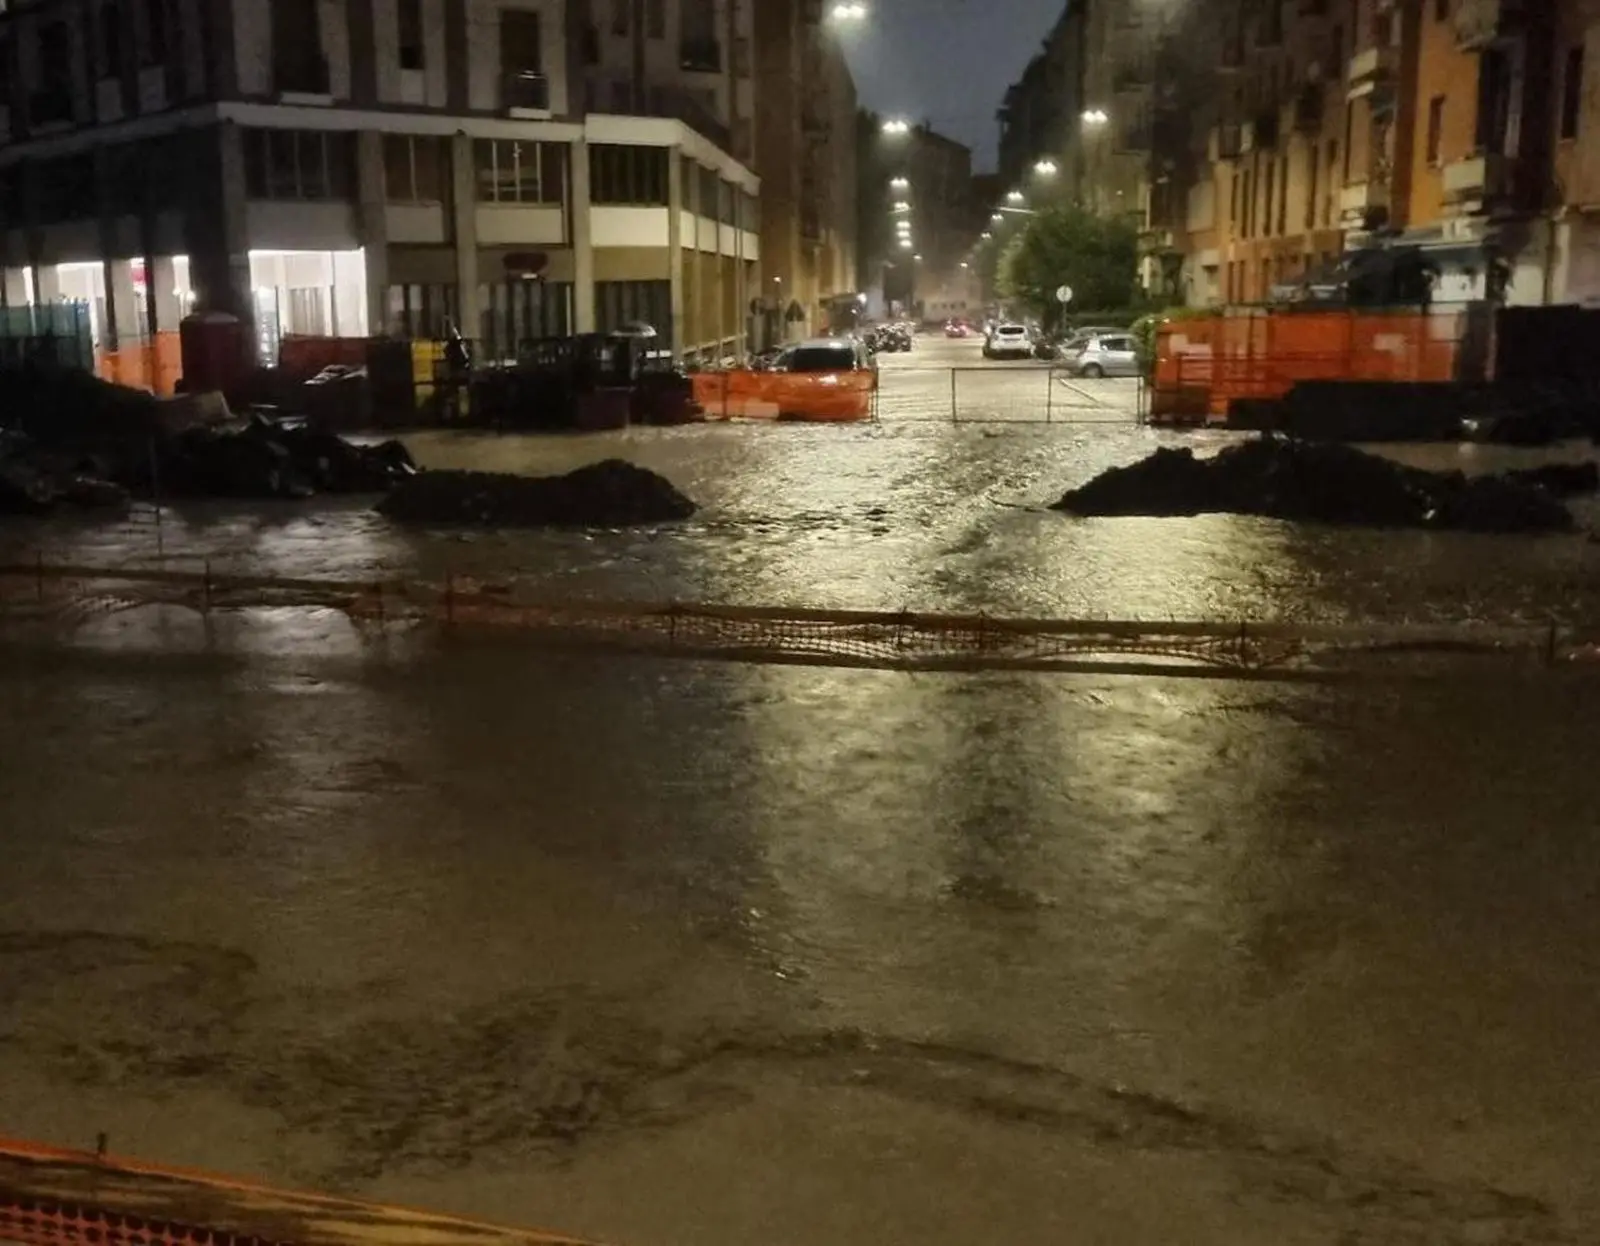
{"x":670,"y":953}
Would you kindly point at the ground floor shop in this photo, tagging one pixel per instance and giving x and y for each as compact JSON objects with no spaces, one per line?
{"x":505,"y":231}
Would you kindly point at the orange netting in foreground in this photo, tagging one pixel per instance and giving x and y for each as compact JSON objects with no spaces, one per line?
{"x":824,"y":397}
{"x":66,"y":596}
{"x":51,"y":1197}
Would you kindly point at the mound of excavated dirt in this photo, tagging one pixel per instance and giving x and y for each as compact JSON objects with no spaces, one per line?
{"x":1323,"y":482}
{"x":609,"y":494}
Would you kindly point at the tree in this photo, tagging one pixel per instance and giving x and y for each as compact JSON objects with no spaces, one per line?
{"x":1067,"y":245}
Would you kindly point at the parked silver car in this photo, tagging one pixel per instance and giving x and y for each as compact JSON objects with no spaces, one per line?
{"x":1104,"y":354}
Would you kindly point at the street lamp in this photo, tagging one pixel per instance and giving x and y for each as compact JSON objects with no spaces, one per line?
{"x":899,"y":183}
{"x":1095,"y":116}
{"x":997,"y":218}
{"x":849,"y":12}
{"x":895,"y":127}
{"x":1015,"y":196}
{"x":917,"y":259}
{"x":906,"y":244}
{"x":986,"y":236}
{"x":901,"y":206}
{"x":1046,"y":168}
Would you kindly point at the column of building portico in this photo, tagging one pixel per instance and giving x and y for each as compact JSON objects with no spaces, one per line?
{"x":372,"y":217}
{"x":216,"y":229}
{"x":464,"y":233}
{"x":584,"y":313}
{"x":675,"y":256}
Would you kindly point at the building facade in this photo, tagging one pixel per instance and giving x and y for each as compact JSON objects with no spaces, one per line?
{"x":517,"y":168}
{"x":806,"y":156}
{"x":1260,"y":142}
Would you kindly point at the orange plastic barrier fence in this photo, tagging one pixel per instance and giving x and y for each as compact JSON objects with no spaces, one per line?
{"x":155,"y":365}
{"x":1203,"y":364}
{"x":825,"y":397}
{"x":50,"y":1197}
{"x":304,"y":357}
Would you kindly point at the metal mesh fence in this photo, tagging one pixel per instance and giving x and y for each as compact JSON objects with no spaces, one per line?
{"x":65,"y":596}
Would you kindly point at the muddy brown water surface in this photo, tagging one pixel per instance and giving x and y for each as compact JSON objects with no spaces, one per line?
{"x":667,"y":952}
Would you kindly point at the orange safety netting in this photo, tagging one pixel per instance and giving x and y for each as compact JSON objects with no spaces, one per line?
{"x":828,"y":397}
{"x":51,"y":1197}
{"x":1205,"y":363}
{"x":155,"y":365}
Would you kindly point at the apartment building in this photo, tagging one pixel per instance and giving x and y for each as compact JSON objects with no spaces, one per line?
{"x":806,"y":156}
{"x":352,"y":167}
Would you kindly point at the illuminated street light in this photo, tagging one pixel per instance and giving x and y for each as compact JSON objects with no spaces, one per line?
{"x":1047,"y":168}
{"x":917,"y":258}
{"x":1095,"y":116}
{"x":1015,"y":196}
{"x":997,"y":218}
{"x":964,"y":264}
{"x":896,"y":126}
{"x":849,"y":12}
{"x":986,"y":236}
{"x":899,"y":183}
{"x":906,"y":243}
{"x":901,"y":206}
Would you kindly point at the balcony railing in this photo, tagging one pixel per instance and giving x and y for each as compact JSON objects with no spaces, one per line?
{"x":306,"y":74}
{"x":700,"y":56}
{"x":525,"y":90}
{"x":1479,"y":178}
{"x":618,"y":96}
{"x":1364,"y":204}
{"x":50,"y":105}
{"x":1478,"y":23}
{"x":1367,"y":67}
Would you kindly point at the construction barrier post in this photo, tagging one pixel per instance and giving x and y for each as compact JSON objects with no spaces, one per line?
{"x":954,"y":418}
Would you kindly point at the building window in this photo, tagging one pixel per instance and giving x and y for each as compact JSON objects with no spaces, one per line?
{"x":1572,"y":93}
{"x":422,"y":311}
{"x":706,"y":202}
{"x":156,"y":34}
{"x":412,"y":55}
{"x":629,"y":175}
{"x":107,"y":40}
{"x":1267,"y":199}
{"x":515,"y":312}
{"x":299,"y":164}
{"x":51,"y":100}
{"x":413,"y":169}
{"x":509,"y":171}
{"x":1435,"y":128}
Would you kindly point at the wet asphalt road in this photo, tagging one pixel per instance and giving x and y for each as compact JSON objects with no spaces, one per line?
{"x":672,"y":953}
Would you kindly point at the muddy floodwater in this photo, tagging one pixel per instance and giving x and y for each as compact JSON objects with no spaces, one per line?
{"x":671,"y":953}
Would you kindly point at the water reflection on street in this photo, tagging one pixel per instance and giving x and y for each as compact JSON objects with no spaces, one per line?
{"x":668,"y":952}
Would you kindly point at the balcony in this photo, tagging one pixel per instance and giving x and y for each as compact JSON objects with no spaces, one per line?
{"x":1368,"y":68}
{"x":700,"y":56}
{"x":1477,"y":179}
{"x":525,"y":93}
{"x":305,"y":74}
{"x":1364,"y":205}
{"x":1478,"y":23}
{"x":1307,"y":109}
{"x":50,"y":105}
{"x":1227,"y":142}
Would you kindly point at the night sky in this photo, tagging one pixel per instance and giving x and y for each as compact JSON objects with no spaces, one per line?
{"x":947,"y":61}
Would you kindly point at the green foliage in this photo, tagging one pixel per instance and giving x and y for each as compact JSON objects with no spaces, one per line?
{"x":1144,"y":331}
{"x":1067,"y":245}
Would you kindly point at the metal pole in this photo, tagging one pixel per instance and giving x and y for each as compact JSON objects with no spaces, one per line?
{"x":954,"y":419}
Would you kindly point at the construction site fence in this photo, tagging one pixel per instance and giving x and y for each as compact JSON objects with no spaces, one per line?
{"x":826,"y":397}
{"x":60,"y":596}
{"x":52,"y":1197}
{"x":1204,"y":364}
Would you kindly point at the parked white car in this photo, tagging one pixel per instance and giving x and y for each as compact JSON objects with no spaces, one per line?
{"x":1104,"y":354}
{"x":1008,"y":341}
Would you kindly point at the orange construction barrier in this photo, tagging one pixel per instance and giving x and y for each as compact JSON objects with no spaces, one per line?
{"x":155,"y":365}
{"x":51,"y":1197}
{"x":823,"y":397}
{"x":1205,"y":363}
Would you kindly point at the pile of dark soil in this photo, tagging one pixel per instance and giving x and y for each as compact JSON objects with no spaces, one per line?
{"x":1323,"y":482}
{"x":609,"y":494}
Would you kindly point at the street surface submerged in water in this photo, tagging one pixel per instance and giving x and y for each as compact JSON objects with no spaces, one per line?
{"x":665,"y":952}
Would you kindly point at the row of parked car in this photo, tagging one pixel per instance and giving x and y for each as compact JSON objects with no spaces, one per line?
{"x":1089,"y":351}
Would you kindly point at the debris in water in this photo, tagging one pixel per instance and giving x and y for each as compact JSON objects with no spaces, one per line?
{"x":612,"y":493}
